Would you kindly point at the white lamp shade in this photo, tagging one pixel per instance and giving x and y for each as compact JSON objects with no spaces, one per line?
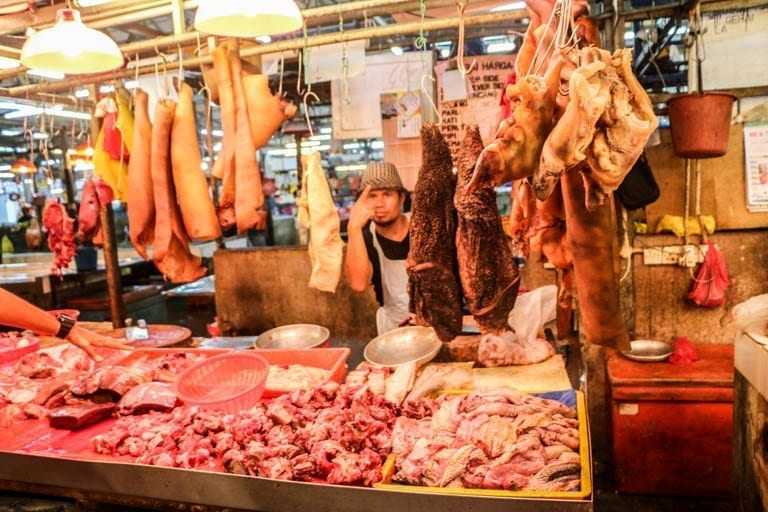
{"x":247,"y":18}
{"x":71,"y":47}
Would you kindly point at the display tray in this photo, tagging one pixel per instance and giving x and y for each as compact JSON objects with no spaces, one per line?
{"x":584,"y":493}
{"x":160,"y":335}
{"x":333,"y":359}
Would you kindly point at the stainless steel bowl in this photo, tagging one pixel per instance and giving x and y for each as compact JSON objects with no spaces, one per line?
{"x":293,"y":336}
{"x":413,"y":344}
{"x":648,"y":351}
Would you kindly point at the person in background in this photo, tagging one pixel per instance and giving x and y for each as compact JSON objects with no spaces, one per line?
{"x":378,"y":242}
{"x":20,"y":314}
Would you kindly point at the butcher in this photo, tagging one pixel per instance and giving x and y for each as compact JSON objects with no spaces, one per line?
{"x":20,"y":314}
{"x":378,"y":243}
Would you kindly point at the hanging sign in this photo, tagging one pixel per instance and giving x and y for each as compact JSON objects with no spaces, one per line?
{"x":479,"y":103}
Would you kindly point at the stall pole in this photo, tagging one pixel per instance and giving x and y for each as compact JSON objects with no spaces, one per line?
{"x":114,"y":285}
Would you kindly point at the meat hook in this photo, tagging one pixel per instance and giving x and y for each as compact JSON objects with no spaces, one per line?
{"x":306,"y":110}
{"x":461,"y":5}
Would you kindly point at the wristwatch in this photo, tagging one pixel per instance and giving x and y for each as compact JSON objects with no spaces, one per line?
{"x":66,"y":323}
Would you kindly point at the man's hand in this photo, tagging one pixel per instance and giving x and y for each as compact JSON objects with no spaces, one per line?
{"x":361,"y":211}
{"x":86,"y":340}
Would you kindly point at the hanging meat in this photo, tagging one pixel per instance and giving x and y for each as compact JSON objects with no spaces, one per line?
{"x":515,"y":152}
{"x":195,"y":201}
{"x":521,"y":215}
{"x":224,"y":166}
{"x":488,"y":272}
{"x":96,"y":193}
{"x":591,"y":240}
{"x":321,"y":217}
{"x":433,"y":281}
{"x":61,"y":235}
{"x":607,"y":121}
{"x":567,"y":143}
{"x":141,"y":203}
{"x":623,"y":131}
{"x":171,"y":247}
{"x":249,"y":196}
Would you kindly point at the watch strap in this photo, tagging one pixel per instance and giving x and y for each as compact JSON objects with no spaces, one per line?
{"x":66,"y":323}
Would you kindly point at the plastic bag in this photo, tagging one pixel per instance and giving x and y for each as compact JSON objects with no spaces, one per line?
{"x":711,"y":280}
{"x":684,"y":351}
{"x":532,"y":310}
{"x":752,"y":311}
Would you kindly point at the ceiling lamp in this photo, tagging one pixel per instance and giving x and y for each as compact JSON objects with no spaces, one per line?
{"x":23,"y":166}
{"x":247,"y":18}
{"x":71,"y":47}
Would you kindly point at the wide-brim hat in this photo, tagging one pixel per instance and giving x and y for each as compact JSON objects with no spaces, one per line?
{"x":382,"y":175}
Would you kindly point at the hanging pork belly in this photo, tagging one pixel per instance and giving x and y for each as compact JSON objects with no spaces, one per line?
{"x":433,"y":280}
{"x":171,"y":247}
{"x":141,"y":203}
{"x":489,"y":276}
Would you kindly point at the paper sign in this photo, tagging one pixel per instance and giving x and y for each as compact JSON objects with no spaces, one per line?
{"x":454,"y":86}
{"x":326,"y":62}
{"x":756,"y":164}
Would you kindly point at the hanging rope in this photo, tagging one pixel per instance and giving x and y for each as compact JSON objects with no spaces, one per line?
{"x":282,"y":71}
{"x":420,"y":43}
{"x":344,"y":62}
{"x":428,"y":94}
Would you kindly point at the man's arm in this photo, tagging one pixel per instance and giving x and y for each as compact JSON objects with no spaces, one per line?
{"x":357,"y":267}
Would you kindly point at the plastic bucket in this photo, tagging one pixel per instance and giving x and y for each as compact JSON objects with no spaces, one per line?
{"x":700,"y":124}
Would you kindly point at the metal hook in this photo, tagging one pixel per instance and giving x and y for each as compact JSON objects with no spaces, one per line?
{"x":462,"y":4}
{"x":429,"y":98}
{"x":306,"y":109}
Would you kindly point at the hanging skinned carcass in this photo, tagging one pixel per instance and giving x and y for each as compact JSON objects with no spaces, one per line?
{"x":488,"y":272}
{"x":433,"y":281}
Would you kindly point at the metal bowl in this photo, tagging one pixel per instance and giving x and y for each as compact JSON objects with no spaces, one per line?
{"x":413,"y":344}
{"x":648,"y":351}
{"x":294,"y":336}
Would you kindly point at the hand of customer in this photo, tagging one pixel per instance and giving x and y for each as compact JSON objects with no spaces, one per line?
{"x":361,"y":211}
{"x":86,"y":340}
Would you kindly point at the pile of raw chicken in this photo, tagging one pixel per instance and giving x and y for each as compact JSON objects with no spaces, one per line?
{"x":577,"y":121}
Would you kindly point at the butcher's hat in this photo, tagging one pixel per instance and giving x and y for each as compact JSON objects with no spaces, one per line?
{"x":382,"y":175}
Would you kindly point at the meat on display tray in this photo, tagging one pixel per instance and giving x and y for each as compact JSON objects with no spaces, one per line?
{"x":333,"y":359}
{"x":584,"y":492}
{"x":140,"y":355}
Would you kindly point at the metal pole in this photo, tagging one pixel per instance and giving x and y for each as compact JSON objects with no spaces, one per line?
{"x":114,"y":284}
{"x":288,"y":44}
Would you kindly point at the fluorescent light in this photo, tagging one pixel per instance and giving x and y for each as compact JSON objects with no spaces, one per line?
{"x":6,"y":63}
{"x":7,"y":174}
{"x":264,"y":39}
{"x":377,"y":144}
{"x":131,"y":84}
{"x":326,"y":129}
{"x":397,"y":50}
{"x":5,"y":167}
{"x":52,"y":75}
{"x":509,"y":7}
{"x":33,"y":111}
{"x":215,"y":133}
{"x":501,"y":47}
{"x":82,"y":93}
{"x":321,"y":136}
{"x":11,"y":133}
{"x":350,"y":167}
{"x":91,"y":3}
{"x":106,"y":89}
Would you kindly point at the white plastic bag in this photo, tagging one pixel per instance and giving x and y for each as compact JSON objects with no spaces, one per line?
{"x":532,"y":311}
{"x":752,"y":311}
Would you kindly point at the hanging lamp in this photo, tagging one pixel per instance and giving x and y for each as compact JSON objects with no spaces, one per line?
{"x":71,"y":47}
{"x":247,"y":18}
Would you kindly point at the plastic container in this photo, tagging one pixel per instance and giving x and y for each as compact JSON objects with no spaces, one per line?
{"x":10,"y":354}
{"x":700,"y":124}
{"x":231,"y":382}
{"x":333,"y":359}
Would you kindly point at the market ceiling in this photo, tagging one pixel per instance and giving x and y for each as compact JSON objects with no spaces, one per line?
{"x":146,"y":29}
